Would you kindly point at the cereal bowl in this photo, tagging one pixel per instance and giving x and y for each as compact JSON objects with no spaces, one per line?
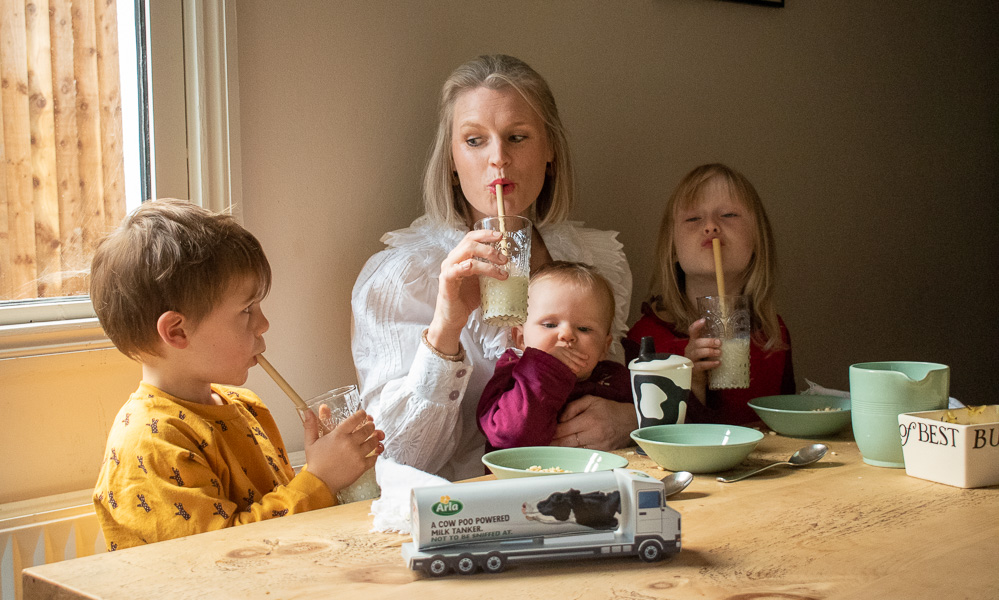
{"x":803,"y":415}
{"x":532,"y":461}
{"x":697,"y":447}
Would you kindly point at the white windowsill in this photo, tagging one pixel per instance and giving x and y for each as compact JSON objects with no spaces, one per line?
{"x":52,"y":337}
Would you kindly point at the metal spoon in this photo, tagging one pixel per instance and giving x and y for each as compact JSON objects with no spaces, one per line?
{"x":676,"y":483}
{"x":804,"y":456}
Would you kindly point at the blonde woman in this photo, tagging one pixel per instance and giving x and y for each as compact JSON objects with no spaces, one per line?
{"x":715,"y":201}
{"x":420,"y":347}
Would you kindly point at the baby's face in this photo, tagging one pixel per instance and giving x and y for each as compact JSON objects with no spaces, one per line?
{"x":566,"y":314}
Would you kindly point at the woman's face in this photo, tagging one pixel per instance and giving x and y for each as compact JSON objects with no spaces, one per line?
{"x":498,"y":139}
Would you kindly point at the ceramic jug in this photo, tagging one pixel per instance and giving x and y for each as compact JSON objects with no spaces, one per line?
{"x":880,"y":391}
{"x":660,"y":385}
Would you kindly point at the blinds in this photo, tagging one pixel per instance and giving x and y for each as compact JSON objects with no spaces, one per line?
{"x":61,"y":167}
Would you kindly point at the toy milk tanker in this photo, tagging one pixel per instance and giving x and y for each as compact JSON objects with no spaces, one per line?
{"x":464,"y":526}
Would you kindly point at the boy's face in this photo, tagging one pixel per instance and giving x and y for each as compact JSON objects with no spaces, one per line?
{"x":225,"y":344}
{"x":566,"y":314}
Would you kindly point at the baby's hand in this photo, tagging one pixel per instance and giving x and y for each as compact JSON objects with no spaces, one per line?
{"x":570,"y":357}
{"x":704,"y":351}
{"x":344,"y":454}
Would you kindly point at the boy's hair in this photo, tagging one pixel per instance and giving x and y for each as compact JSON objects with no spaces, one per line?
{"x":581,"y":274}
{"x":169,"y":255}
{"x":667,"y":288}
{"x":443,"y":199}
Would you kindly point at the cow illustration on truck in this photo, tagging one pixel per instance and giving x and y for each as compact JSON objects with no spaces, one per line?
{"x":485,"y":524}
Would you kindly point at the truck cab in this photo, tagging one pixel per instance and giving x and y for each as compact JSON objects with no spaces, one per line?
{"x":653,"y":520}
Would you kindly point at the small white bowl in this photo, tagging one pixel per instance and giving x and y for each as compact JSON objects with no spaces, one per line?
{"x":963,"y":453}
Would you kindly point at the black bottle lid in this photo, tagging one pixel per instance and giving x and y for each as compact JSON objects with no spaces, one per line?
{"x":647,"y":351}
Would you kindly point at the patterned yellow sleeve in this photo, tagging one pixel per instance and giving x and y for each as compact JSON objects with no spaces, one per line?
{"x":169,"y":472}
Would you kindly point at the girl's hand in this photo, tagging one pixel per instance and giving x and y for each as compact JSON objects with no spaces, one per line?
{"x":598,"y":423}
{"x":704,"y":351}
{"x":344,"y":454}
{"x":458,"y":290}
{"x":570,"y":357}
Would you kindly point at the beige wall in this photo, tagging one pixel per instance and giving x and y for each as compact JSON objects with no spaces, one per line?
{"x":870,"y":129}
{"x":55,"y":415}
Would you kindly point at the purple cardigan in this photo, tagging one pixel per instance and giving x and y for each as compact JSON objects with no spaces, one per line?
{"x":521,"y":403}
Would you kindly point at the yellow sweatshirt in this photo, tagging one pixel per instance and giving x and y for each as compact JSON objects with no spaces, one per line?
{"x":174,"y":468}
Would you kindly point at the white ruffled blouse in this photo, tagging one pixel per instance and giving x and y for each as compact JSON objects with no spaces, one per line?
{"x":425,"y":404}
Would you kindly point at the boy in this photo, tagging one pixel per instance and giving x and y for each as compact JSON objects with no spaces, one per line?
{"x":559,"y":357}
{"x":178,"y":289}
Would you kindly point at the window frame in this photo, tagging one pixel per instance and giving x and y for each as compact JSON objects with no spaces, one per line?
{"x":193,"y":90}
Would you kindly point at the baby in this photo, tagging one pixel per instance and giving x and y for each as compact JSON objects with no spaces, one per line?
{"x":559,"y":358}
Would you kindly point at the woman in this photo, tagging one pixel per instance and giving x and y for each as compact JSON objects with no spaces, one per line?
{"x":420,"y":347}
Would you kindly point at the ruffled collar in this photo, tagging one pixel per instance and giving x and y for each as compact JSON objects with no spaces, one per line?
{"x":424,"y":236}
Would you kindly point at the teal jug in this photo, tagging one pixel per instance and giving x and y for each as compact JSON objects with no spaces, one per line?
{"x":880,"y":391}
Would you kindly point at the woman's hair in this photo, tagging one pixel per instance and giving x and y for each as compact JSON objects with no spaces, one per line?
{"x":668,"y":287}
{"x":443,"y":199}
{"x":582,"y":275}
{"x":169,"y":255}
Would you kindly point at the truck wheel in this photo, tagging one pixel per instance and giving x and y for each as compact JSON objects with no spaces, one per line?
{"x":437,"y":567}
{"x":465,"y":565}
{"x":494,"y":563}
{"x":650,"y":551}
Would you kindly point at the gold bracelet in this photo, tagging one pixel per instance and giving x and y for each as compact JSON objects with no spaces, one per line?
{"x":460,"y":356}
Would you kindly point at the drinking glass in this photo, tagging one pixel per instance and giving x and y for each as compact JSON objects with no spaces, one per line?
{"x":343,"y":402}
{"x":504,"y":303}
{"x":728,"y":318}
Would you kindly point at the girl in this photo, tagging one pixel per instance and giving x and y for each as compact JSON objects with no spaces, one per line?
{"x":715,"y":201}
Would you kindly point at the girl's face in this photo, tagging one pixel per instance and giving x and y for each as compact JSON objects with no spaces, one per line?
{"x":716,"y":213}
{"x":498,"y":139}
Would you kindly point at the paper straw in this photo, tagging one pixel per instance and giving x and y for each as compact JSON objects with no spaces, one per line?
{"x":719,"y":274}
{"x":501,"y":213}
{"x":288,"y":390}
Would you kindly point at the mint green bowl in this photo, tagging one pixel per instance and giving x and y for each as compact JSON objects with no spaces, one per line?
{"x":515,"y":462}
{"x":697,"y":447}
{"x":803,"y":415}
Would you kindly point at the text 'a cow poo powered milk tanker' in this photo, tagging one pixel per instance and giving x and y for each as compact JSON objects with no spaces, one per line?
{"x":465,"y":527}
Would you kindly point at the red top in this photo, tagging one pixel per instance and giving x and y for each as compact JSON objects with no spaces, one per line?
{"x":521,"y":403}
{"x":770,"y":373}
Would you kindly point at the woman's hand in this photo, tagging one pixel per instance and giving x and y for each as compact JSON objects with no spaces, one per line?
{"x":598,"y":423}
{"x":458,"y":290}
{"x":344,"y":454}
{"x":704,"y":351}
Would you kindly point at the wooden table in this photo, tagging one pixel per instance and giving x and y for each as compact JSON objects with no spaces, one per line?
{"x":836,"y":529}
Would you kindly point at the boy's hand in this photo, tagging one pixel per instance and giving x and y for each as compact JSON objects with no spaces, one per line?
{"x":344,"y":454}
{"x":570,"y":357}
{"x":704,"y":351}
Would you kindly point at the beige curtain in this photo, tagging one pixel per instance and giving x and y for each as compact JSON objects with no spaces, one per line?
{"x":61,"y":170}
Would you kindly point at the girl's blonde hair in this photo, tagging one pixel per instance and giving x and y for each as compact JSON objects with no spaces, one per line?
{"x":668,"y":288}
{"x":443,"y":199}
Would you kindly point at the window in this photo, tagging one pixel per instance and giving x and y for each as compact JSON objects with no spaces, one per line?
{"x":182,"y":53}
{"x":649,"y":499}
{"x":70,"y":76}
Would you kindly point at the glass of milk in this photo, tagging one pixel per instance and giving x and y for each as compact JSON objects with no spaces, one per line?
{"x":343,"y":402}
{"x":504,"y":303}
{"x":728,"y":318}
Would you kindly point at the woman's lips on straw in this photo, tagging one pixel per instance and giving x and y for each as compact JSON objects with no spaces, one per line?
{"x":707,"y":243}
{"x":506,"y":183}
